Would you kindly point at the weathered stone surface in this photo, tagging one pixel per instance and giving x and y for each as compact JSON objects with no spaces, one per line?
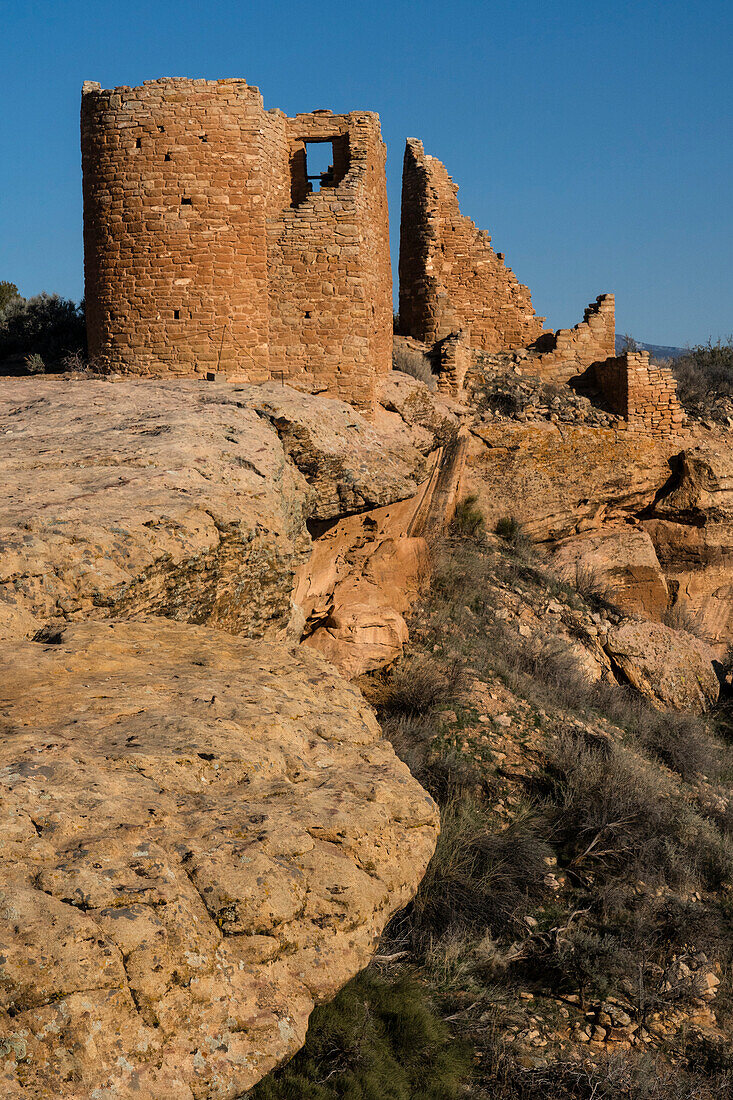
{"x":363,"y":574}
{"x":419,"y":408}
{"x":202,"y":836}
{"x":349,"y":466}
{"x":621,"y":561}
{"x":692,"y":529}
{"x":553,"y":477}
{"x":174,"y":498}
{"x":671,"y":667}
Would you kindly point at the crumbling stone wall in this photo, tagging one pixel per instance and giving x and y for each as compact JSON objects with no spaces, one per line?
{"x":450,"y":277}
{"x":643,"y":394}
{"x":207,"y":249}
{"x":563,"y":355}
{"x":452,"y":358}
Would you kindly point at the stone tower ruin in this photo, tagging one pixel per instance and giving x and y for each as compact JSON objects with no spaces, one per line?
{"x":210,"y":247}
{"x":451,"y":279}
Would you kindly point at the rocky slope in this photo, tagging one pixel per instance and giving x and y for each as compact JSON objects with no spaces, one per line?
{"x":205,"y":831}
{"x":574,"y":925}
{"x":575,"y":481}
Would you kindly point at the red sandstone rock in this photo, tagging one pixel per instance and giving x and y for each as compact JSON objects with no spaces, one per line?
{"x":621,"y":561}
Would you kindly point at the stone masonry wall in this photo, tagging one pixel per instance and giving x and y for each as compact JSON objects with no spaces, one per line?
{"x":330,"y":272}
{"x":450,"y":277}
{"x":207,"y":251}
{"x":643,"y":394}
{"x":452,"y":356}
{"x":569,"y":352}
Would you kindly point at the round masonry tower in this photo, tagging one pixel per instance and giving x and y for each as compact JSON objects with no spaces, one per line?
{"x":175,"y":224}
{"x":210,"y":245}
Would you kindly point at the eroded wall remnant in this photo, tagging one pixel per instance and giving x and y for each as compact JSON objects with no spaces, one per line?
{"x":450,"y":277}
{"x":563,"y":355}
{"x":208,"y":249}
{"x":644,"y":394}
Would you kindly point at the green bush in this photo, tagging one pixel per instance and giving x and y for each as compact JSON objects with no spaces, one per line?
{"x":377,"y":1040}
{"x":512,"y":532}
{"x":34,"y":364}
{"x":468,"y":520}
{"x":8,"y":294}
{"x":46,"y":326}
{"x":704,"y":373}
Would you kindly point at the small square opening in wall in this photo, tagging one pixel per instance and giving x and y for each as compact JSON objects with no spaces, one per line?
{"x":161,"y":129}
{"x":176,"y":314}
{"x":203,"y":137}
{"x":186,"y":202}
{"x":139,"y":143}
{"x":317,"y":165}
{"x":167,"y":156}
{"x":308,"y":314}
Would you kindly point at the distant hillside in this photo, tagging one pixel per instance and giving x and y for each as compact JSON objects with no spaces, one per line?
{"x":657,"y":351}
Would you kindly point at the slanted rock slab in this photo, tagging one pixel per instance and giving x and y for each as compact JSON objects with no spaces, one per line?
{"x":671,"y":667}
{"x":620,"y":563}
{"x":202,"y":837}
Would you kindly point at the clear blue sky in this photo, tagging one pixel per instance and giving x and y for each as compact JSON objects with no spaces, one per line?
{"x":593,"y":141}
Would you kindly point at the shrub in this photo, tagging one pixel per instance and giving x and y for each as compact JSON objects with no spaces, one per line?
{"x":505,"y":402}
{"x":34,"y":364}
{"x":8,"y":293}
{"x":512,"y":532}
{"x":468,"y":520}
{"x":681,"y":617}
{"x":376,"y":1041}
{"x":704,"y":373}
{"x":482,"y":877}
{"x":410,"y":360}
{"x":583,"y":959}
{"x":589,"y":583}
{"x":416,"y":687}
{"x":614,"y":813}
{"x":46,"y":325}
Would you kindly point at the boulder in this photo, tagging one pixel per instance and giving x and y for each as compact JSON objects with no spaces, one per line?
{"x":362,"y":576}
{"x":672,"y":668}
{"x":349,"y":465}
{"x":430,"y":415}
{"x":621,"y":562}
{"x":691,"y":526}
{"x":202,"y":837}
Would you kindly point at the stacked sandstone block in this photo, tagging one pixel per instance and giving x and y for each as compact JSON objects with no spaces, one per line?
{"x":569,"y":352}
{"x":206,"y":252}
{"x":643,"y":394}
{"x":452,"y":358}
{"x":450,"y":276}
